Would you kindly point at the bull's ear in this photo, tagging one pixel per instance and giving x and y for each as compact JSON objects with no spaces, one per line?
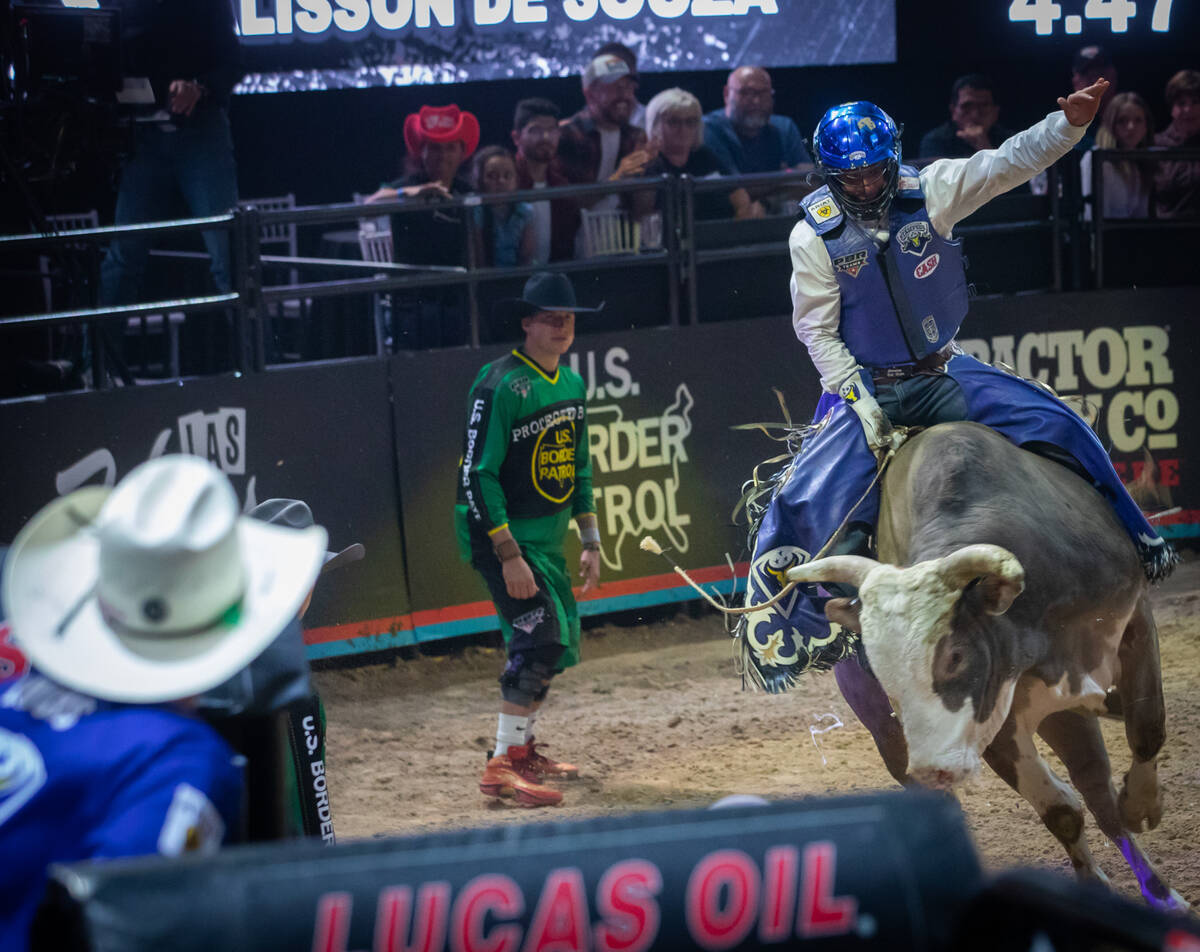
{"x":845,"y":612}
{"x":997,"y":593}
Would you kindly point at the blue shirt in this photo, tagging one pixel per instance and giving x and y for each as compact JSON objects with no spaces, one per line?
{"x":778,"y":146}
{"x":85,"y":779}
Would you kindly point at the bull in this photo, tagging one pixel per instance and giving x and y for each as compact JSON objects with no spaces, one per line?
{"x":1007,"y":601}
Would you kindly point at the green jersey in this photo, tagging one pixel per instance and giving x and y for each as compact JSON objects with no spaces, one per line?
{"x":525,"y":462}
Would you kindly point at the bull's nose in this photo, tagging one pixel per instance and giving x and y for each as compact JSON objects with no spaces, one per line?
{"x":938,"y":778}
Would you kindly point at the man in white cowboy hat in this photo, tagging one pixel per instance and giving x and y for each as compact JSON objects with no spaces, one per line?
{"x":127,"y":603}
{"x":524,"y":473}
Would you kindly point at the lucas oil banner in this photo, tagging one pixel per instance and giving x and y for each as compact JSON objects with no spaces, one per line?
{"x":887,"y":871}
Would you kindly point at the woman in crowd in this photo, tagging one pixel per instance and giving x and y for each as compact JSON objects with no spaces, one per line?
{"x":503,"y":233}
{"x":1127,"y":124}
{"x":673,"y":123}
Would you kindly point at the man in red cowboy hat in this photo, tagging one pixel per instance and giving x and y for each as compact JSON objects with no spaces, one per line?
{"x":439,"y":139}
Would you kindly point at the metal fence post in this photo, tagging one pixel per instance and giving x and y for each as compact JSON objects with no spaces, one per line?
{"x":688,"y":247}
{"x":248,"y":321}
{"x":670,"y":227}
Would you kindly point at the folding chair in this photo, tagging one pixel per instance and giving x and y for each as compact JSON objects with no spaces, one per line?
{"x":377,"y":246}
{"x":609,"y":231}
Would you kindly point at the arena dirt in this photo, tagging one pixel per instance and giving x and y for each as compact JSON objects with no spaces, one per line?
{"x":656,"y":718}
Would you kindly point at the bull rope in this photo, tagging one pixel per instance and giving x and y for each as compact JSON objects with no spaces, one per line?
{"x":648,"y":544}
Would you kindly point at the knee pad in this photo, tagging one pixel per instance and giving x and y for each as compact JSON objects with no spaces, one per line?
{"x":527,"y":675}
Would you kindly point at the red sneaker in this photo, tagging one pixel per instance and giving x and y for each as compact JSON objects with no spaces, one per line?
{"x":543,"y":766}
{"x":512,"y":775}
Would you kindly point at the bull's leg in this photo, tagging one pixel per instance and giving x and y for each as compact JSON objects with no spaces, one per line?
{"x":1015,"y":758}
{"x":1077,"y":741}
{"x":867,"y":699}
{"x":1140,"y":689}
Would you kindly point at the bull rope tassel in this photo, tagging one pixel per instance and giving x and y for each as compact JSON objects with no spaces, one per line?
{"x":649,"y":545}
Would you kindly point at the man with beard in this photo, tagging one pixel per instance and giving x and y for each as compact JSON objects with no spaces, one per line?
{"x":598,"y":143}
{"x":746,"y":136}
{"x":536,"y":133}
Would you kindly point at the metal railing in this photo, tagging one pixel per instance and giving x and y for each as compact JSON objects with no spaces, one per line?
{"x":1146,"y":162}
{"x":680,"y":260}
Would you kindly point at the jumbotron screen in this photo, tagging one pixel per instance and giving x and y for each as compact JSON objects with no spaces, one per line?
{"x":295,"y":45}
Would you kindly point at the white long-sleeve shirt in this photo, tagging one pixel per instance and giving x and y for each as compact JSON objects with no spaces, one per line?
{"x":953,"y":188}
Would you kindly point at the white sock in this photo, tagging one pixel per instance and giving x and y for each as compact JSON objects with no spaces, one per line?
{"x":529,"y":727}
{"x":510,"y":732}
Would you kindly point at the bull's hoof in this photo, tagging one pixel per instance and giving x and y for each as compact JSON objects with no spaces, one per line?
{"x":1140,"y":801}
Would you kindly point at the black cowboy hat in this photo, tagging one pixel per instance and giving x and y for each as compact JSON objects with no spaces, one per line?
{"x":550,"y":291}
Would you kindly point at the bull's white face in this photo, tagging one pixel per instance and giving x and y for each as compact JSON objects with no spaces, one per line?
{"x":935,"y":676}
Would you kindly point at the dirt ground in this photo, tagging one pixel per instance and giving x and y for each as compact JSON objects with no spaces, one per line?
{"x":656,"y":718}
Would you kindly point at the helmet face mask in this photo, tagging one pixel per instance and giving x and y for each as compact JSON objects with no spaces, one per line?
{"x":857,"y":147}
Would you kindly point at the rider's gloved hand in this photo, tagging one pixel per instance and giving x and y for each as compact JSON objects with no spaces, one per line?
{"x":881,"y":437}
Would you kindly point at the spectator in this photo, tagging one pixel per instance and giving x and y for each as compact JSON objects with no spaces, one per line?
{"x":598,"y":143}
{"x":1177,"y":184}
{"x":747,"y":136}
{"x":188,"y":55}
{"x":1089,"y":64}
{"x":127,"y":602}
{"x":525,"y":472}
{"x":1127,"y":124}
{"x":536,"y":133}
{"x":675,"y":125}
{"x":503,"y":233}
{"x":972,"y":126}
{"x":441,"y":137}
{"x":638,"y":116}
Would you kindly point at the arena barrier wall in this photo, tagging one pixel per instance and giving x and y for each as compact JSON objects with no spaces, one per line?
{"x":890,"y":871}
{"x":372,"y":445}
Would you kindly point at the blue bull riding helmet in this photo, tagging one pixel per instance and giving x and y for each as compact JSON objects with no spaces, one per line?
{"x":852,"y":137}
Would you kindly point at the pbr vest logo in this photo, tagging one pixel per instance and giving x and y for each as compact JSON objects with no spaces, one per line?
{"x":929,"y":326}
{"x":851,"y":264}
{"x":927,"y":266}
{"x":914,"y":237}
{"x":823,"y":209}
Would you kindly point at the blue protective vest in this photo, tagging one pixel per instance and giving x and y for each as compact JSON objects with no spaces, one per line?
{"x":901,"y":303}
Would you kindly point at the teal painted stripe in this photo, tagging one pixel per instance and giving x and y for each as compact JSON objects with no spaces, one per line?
{"x":470,"y":626}
{"x":1184,"y":530}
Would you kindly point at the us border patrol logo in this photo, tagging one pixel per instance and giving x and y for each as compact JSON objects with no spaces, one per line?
{"x":853,"y":263}
{"x":913,"y":237}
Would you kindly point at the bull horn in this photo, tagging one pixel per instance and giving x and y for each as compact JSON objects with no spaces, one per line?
{"x":847,"y":569}
{"x":1005,"y":578}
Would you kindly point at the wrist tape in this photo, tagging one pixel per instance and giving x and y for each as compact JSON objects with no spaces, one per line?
{"x":507,"y":550}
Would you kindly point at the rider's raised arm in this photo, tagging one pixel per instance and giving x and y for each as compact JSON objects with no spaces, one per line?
{"x":954,"y":188}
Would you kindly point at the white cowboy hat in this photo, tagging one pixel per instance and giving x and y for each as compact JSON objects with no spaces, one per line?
{"x":155,"y":590}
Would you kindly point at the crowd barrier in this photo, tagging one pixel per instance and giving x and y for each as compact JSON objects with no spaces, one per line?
{"x":700,"y":270}
{"x":890,"y":871}
{"x":372,"y":445}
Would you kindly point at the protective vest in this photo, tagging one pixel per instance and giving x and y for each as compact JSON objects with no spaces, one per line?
{"x":903,"y":302}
